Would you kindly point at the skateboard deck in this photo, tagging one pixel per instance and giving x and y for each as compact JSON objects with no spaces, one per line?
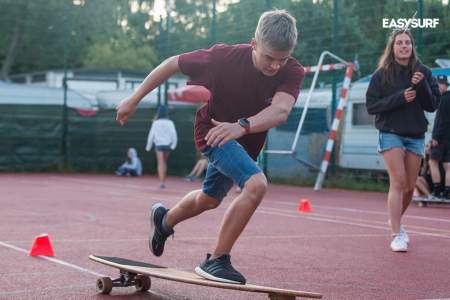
{"x":136,"y":273}
{"x":423,"y":201}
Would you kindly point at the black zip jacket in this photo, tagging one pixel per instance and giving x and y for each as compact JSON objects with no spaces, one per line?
{"x":392,"y":113}
{"x":441,"y":129}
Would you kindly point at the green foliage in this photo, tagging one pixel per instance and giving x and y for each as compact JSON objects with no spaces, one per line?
{"x":119,"y":54}
{"x":52,"y":28}
{"x":129,"y":34}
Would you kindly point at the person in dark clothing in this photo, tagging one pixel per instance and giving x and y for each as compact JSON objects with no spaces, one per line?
{"x":424,"y":185}
{"x":400,"y":90}
{"x":253,"y":88}
{"x":440,"y":143}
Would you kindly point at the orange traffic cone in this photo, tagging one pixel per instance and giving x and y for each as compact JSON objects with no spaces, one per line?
{"x":304,"y":206}
{"x":42,"y":246}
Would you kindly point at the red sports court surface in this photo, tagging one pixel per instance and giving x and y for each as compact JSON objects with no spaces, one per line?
{"x":341,"y":249}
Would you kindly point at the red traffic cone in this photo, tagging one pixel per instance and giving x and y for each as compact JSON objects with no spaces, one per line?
{"x":42,"y":246}
{"x":304,"y":206}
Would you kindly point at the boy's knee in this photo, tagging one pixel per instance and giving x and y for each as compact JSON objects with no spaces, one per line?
{"x":256,"y":186}
{"x":207,"y":202}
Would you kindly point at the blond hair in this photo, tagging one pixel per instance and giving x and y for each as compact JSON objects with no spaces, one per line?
{"x":277,"y":30}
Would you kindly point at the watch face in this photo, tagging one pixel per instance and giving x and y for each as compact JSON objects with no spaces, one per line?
{"x":244,"y":122}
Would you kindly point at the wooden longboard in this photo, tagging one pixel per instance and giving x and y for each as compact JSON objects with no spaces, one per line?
{"x":136,"y":273}
{"x":423,"y":201}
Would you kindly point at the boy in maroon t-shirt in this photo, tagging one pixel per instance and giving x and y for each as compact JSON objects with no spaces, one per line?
{"x":254,"y":87}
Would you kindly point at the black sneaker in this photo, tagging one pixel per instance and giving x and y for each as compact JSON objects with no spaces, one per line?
{"x":158,"y":236}
{"x":219,"y":269}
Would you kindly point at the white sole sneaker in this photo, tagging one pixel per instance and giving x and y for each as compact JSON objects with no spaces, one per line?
{"x":404,"y":234}
{"x":398,"y":244}
{"x":208,"y":276}
{"x":402,"y":249}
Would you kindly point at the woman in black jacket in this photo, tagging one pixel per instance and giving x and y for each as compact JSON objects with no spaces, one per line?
{"x":400,"y":90}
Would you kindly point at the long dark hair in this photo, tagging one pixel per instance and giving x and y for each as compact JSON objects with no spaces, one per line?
{"x":387,"y":61}
{"x":163,"y":112}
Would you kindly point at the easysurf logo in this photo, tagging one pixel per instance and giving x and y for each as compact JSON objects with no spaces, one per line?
{"x":410,"y":23}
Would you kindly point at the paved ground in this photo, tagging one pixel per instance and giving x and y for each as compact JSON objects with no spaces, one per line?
{"x":341,"y":249}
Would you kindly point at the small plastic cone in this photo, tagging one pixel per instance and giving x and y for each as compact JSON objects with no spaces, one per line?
{"x":304,"y":206}
{"x":42,"y":246}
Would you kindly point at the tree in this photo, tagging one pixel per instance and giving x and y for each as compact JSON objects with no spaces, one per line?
{"x":46,"y":29}
{"x":119,"y":54}
{"x":10,"y":42}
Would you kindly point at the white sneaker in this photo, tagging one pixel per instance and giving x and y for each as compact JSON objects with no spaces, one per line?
{"x":398,"y":244}
{"x":404,"y":234}
{"x":431,"y":197}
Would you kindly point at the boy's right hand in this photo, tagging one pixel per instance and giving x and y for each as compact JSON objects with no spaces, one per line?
{"x":125,"y":109}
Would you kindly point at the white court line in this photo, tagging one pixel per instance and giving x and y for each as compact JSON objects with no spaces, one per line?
{"x":350,"y":223}
{"x":46,"y":289}
{"x":367,"y":212}
{"x":378,"y":223}
{"x":200,"y":238}
{"x":54,"y":260}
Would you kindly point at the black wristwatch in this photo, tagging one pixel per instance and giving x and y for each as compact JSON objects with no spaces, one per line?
{"x":244,"y":123}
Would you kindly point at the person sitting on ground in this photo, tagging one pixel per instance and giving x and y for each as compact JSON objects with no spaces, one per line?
{"x":198,"y":170}
{"x":424,"y":183}
{"x":132,"y":166}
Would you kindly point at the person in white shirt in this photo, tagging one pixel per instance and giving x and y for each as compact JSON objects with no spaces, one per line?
{"x":164,"y":135}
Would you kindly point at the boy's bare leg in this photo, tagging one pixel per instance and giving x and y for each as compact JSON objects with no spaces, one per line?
{"x":193,"y":204}
{"x":239,"y":213}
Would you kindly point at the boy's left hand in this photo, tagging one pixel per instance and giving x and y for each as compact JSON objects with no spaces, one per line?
{"x":223,"y":132}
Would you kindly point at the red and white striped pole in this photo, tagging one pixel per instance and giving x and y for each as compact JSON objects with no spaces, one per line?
{"x":325,"y":68}
{"x":333,"y":132}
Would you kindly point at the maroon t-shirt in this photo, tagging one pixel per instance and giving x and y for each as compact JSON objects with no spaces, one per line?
{"x":238,"y":89}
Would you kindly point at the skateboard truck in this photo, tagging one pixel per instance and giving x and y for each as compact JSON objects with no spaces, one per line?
{"x":141,"y":282}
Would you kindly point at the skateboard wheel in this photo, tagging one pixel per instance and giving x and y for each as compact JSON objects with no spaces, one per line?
{"x":104,"y":285}
{"x":422,"y":204}
{"x":143,"y":283}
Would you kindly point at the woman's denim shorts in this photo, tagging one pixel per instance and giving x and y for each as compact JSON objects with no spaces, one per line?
{"x":387,"y":141}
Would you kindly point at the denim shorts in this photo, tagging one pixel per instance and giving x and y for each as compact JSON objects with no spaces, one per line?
{"x":441,"y":152}
{"x":163,"y":148}
{"x":227,"y":165}
{"x":387,"y":141}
